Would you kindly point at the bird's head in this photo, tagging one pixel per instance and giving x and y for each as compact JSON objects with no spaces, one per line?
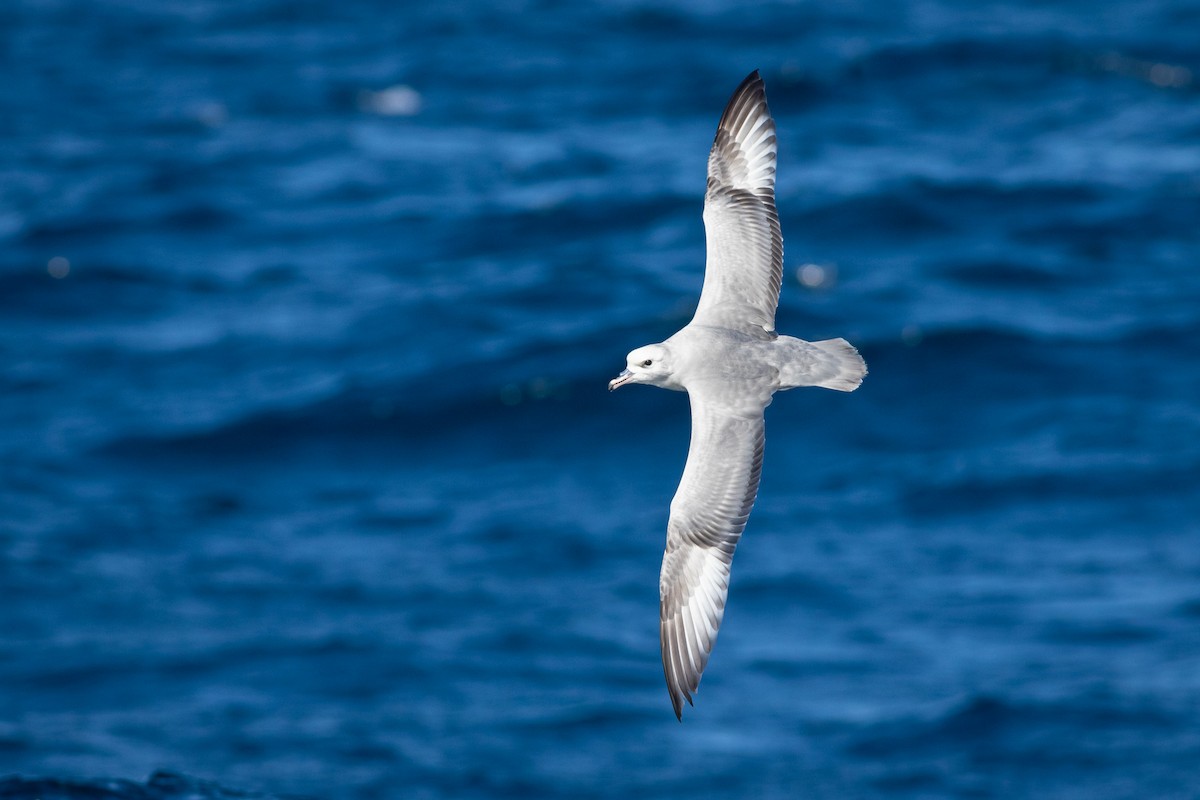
{"x":650,"y":364}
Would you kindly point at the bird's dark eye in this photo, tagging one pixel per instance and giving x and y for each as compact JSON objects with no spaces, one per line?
{"x":647,"y":363}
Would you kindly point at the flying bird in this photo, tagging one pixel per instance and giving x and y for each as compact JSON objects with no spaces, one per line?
{"x":730,"y":361}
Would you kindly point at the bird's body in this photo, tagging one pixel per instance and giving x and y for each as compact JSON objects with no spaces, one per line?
{"x":730,"y":361}
{"x":749,"y":361}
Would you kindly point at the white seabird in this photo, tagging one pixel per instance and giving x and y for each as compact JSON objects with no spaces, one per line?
{"x":729,"y":360}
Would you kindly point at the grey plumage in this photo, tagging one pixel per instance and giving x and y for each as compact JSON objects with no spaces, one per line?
{"x":729,"y":360}
{"x":744,"y":268}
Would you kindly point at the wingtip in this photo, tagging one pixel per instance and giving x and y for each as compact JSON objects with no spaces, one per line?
{"x":750,"y":80}
{"x":676,"y":699}
{"x":678,"y":695}
{"x":677,"y":705}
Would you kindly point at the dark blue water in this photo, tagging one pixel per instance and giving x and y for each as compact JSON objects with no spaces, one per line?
{"x":310,"y":484}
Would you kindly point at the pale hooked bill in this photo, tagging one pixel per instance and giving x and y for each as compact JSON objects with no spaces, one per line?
{"x":729,"y":360}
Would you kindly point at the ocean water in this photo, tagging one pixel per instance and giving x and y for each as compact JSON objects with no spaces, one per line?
{"x":310,"y":483}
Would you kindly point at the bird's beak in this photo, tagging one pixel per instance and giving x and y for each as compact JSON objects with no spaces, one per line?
{"x":620,"y":380}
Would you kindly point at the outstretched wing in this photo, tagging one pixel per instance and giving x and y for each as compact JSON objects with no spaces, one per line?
{"x":708,"y":515}
{"x":744,"y":268}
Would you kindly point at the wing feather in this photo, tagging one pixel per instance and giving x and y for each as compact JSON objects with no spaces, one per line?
{"x":744,"y":267}
{"x":708,"y":515}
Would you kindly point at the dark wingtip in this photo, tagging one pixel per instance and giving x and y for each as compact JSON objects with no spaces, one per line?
{"x":750,"y":79}
{"x":676,"y":702}
{"x":748,"y":91}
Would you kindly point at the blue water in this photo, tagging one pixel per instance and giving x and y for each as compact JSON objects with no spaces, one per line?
{"x":311,"y":485}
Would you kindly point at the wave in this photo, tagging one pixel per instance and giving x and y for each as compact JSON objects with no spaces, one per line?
{"x":1013,"y":729}
{"x":161,"y":785}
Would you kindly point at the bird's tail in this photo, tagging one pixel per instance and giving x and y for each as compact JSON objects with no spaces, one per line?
{"x":830,"y":363}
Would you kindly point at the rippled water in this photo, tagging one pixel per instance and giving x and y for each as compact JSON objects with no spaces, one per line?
{"x":311,"y":484}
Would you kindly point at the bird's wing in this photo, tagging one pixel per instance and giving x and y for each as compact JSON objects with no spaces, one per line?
{"x":708,"y":515}
{"x":744,"y":269}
